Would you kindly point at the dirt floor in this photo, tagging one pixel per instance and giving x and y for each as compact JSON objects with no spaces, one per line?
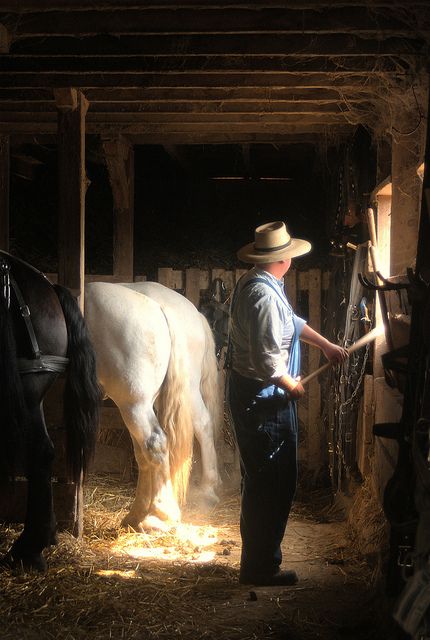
{"x":184,"y":583}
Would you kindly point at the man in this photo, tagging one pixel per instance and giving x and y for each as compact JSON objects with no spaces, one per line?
{"x":263,"y":385}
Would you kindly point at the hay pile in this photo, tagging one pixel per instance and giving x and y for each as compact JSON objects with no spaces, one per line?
{"x":368,"y":526}
{"x":183,"y":582}
{"x":98,"y":587}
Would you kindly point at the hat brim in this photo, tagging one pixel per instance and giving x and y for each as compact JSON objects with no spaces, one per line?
{"x":295,"y":249}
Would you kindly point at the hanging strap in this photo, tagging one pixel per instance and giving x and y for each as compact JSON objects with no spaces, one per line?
{"x":26,"y":316}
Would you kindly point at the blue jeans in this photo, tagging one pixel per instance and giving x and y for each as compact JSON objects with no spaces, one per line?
{"x":266,"y":432}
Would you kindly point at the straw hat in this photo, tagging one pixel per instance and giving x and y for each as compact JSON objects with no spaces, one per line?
{"x":272,"y":243}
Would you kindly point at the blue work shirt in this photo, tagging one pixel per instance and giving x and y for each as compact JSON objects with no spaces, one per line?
{"x":261,"y":327}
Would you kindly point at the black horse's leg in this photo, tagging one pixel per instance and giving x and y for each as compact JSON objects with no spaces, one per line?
{"x":40,"y":526}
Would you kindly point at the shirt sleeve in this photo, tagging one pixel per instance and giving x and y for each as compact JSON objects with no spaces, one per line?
{"x":265,"y":336}
{"x":300,"y":323}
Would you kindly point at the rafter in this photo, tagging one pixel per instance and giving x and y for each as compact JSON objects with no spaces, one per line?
{"x":298,"y":78}
{"x":211,"y":19}
{"x":223,"y":45}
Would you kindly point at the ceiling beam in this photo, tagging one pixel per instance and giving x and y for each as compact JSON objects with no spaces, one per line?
{"x":185,"y":120}
{"x":41,"y":99}
{"x":239,"y":79}
{"x":261,"y":44}
{"x":26,"y":6}
{"x":204,"y":19}
{"x":189,"y":108}
{"x":137,"y":65}
{"x":314,"y":134}
{"x":164,"y":131}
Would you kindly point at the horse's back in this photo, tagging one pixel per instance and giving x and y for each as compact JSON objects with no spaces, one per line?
{"x":131,"y":339}
{"x":184,"y":319}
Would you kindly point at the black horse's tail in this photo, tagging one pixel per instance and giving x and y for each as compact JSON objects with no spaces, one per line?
{"x":82,"y":394}
{"x":12,"y":402}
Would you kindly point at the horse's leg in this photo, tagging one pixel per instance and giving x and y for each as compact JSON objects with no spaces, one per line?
{"x":154,"y":500}
{"x":40,"y":526}
{"x":204,"y":432}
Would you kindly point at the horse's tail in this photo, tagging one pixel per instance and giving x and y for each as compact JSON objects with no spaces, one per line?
{"x":174,"y":414}
{"x":209,"y":383}
{"x":12,"y":402}
{"x":82,"y":395}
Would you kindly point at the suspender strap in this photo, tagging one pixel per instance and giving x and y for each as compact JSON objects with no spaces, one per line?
{"x":229,"y":352}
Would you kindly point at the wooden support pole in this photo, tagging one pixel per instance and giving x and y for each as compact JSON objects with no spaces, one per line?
{"x":4,"y":39}
{"x":315,"y":444}
{"x":119,"y":155}
{"x":407,"y":153}
{"x":72,"y":190}
{"x":4,"y":192}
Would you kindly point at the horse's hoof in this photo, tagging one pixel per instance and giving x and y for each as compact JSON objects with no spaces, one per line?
{"x":167,"y":514}
{"x":206,"y":500}
{"x":130,"y":523}
{"x":32,"y":562}
{"x":153,"y":523}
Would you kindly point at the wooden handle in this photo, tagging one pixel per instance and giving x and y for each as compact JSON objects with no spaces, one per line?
{"x":372,"y":226}
{"x":361,"y":342}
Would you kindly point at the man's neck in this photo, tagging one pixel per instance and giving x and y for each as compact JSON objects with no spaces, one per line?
{"x":276,"y":269}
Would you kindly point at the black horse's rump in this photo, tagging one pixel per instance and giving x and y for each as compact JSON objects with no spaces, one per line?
{"x":42,"y":332}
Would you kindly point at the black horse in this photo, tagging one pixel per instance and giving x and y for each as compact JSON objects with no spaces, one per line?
{"x":42,"y":334}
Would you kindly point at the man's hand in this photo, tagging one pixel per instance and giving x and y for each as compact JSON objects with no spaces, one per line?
{"x":297,"y":391}
{"x":334,"y":353}
{"x":292,"y":386}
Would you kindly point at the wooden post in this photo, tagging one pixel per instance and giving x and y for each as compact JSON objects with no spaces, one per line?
{"x":119,"y":155}
{"x":72,"y":108}
{"x":315,"y":454}
{"x":195,"y":281}
{"x":170,"y":278}
{"x":407,"y":153}
{"x":4,"y":39}
{"x":4,"y":192}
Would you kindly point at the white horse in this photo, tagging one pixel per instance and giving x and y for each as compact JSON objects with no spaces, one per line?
{"x":156,"y":360}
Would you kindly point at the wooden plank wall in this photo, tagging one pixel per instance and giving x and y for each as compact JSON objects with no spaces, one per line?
{"x":115,"y":452}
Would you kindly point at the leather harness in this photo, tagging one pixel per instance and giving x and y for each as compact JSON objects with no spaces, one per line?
{"x":39,"y":362}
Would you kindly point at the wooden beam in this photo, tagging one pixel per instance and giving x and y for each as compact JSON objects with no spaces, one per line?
{"x":26,"y":6}
{"x":315,"y":443}
{"x":260,"y":107}
{"x":278,"y":78}
{"x":139,"y":66}
{"x":211,"y":19}
{"x":297,"y":45}
{"x":164,"y":125}
{"x":120,"y":162}
{"x":4,"y":39}
{"x":313,"y":134}
{"x":72,"y":190}
{"x":4,"y":191}
{"x":355,"y":92}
